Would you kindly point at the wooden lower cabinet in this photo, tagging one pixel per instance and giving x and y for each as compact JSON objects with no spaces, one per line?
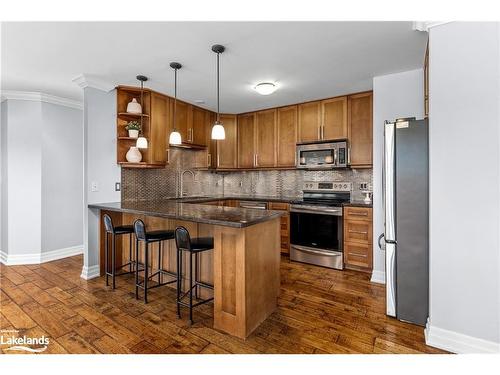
{"x":358,"y":230}
{"x":284,"y":225}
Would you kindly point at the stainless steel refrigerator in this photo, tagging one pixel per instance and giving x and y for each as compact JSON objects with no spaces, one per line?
{"x":406,"y":233}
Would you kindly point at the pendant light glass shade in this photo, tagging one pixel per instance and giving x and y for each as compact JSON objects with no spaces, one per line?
{"x":142,"y":142}
{"x":218,"y":131}
{"x":175,"y":138}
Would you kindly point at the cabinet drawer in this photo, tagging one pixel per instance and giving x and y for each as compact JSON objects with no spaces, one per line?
{"x":278,"y":206}
{"x":358,"y":231}
{"x":357,"y":254}
{"x":358,"y":213}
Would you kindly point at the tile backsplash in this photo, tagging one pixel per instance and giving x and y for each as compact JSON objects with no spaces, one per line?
{"x":154,"y":184}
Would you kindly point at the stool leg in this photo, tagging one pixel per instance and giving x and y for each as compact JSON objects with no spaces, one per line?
{"x":136,"y":269}
{"x":190,"y":288}
{"x":130,"y":252}
{"x":146,"y":256}
{"x":106,"y":257}
{"x":113,"y":256}
{"x":196,"y":275}
{"x":179,"y":281}
{"x":159,"y":262}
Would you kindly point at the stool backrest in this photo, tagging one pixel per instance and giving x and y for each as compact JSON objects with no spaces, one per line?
{"x":182,"y":238}
{"x":140,"y":230}
{"x":108,"y":224}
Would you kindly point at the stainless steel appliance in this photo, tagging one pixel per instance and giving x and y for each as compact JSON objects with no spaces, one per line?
{"x":406,"y":235}
{"x":253,"y":204}
{"x":322,"y":155}
{"x":316,"y":224}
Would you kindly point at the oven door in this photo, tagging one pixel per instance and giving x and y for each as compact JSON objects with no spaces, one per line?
{"x":316,"y":238}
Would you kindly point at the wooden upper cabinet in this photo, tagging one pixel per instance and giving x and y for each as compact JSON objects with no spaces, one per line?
{"x":227,"y":149}
{"x":246,"y":140}
{"x":265,"y":138}
{"x":334,"y":118}
{"x":160,"y":127}
{"x":286,"y":137}
{"x":309,"y":121}
{"x":361,"y":129}
{"x":211,"y":144}
{"x":184,"y":119}
{"x":197,"y":133}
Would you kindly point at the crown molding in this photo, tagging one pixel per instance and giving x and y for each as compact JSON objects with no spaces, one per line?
{"x":427,"y":25}
{"x":41,"y":97}
{"x":84,"y":80}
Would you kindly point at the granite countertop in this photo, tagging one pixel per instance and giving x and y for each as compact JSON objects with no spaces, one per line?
{"x":174,"y":209}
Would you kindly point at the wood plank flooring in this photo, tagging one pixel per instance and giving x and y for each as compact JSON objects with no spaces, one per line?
{"x":319,"y":311}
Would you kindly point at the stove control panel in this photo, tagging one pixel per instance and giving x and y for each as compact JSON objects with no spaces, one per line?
{"x":327,"y":186}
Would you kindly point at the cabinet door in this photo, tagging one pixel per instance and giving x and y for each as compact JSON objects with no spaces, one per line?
{"x":197,"y":134}
{"x":286,"y":136}
{"x":360,"y":129}
{"x":160,"y":128}
{"x":227,"y":148}
{"x":184,"y":119}
{"x":334,"y":116}
{"x":265,"y":150}
{"x":309,"y":121}
{"x":211,"y":144}
{"x":246,"y":140}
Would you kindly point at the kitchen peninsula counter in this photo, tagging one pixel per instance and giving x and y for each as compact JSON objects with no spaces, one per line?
{"x":244,"y":265}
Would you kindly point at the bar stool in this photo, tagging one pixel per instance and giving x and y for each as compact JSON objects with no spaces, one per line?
{"x":194,"y":247}
{"x":116,"y":231}
{"x":157,"y":236}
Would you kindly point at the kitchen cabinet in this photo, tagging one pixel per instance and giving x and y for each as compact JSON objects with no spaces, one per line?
{"x":358,"y":230}
{"x":201,"y":120}
{"x":284,"y":225}
{"x":184,"y":119}
{"x":265,"y":139}
{"x":309,"y":121}
{"x":246,"y":140}
{"x":286,"y":137}
{"x":160,"y":127}
{"x":227,"y":149}
{"x":360,"y":132}
{"x":334,"y":118}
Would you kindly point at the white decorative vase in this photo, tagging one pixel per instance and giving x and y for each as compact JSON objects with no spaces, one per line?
{"x":134,"y":107}
{"x":133,"y":155}
{"x":133,"y":133}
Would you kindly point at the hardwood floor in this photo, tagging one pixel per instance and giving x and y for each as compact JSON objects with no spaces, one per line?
{"x":320,"y":311}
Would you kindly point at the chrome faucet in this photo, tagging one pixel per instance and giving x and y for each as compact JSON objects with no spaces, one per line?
{"x":182,"y":194}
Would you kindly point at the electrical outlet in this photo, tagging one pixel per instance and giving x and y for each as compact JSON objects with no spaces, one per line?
{"x":94,"y":186}
{"x":363,"y":186}
{"x":118,"y":186}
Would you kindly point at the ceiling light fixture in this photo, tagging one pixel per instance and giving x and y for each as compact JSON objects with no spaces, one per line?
{"x":265,"y":88}
{"x":218,"y":131}
{"x":142,"y":141}
{"x":175,"y":137}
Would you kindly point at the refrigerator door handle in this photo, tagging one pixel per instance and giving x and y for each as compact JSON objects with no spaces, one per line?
{"x":379,"y":243}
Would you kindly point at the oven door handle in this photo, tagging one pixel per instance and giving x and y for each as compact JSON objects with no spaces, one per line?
{"x":333,"y":212}
{"x":317,"y":252}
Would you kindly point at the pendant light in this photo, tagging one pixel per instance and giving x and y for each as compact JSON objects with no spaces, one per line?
{"x":175,"y":136}
{"x":142,"y":142}
{"x":218,"y":130}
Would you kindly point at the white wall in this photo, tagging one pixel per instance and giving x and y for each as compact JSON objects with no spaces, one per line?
{"x":394,"y":96}
{"x":62,"y":177}
{"x":464,"y":187}
{"x":99,"y":166}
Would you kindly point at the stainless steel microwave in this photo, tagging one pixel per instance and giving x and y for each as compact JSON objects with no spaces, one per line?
{"x":322,"y":155}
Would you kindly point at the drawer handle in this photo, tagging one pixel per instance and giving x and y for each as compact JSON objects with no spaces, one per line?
{"x":357,"y":231}
{"x":359,"y":255}
{"x":358,"y":213}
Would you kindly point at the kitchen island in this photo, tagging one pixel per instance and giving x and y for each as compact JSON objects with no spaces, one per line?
{"x":243,"y":267}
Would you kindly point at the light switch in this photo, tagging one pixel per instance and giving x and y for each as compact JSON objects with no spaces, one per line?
{"x":117,"y":186}
{"x":94,"y":186}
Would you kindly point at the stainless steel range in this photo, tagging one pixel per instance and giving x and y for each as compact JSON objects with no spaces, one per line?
{"x":316,"y":224}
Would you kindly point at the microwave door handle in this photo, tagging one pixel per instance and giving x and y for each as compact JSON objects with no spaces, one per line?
{"x":334,"y":156}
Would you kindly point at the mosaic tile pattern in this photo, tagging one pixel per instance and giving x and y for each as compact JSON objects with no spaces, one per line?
{"x":154,"y":184}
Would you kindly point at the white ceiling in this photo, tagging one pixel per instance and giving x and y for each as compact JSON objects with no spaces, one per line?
{"x":308,"y":60}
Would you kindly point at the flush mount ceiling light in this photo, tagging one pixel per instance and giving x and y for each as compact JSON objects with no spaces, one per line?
{"x":265,"y":88}
{"x":175,"y":136}
{"x":142,"y":141}
{"x":218,"y":131}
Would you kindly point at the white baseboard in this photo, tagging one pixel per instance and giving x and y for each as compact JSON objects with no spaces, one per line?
{"x":37,"y":258}
{"x":378,"y":277}
{"x":90,"y":272}
{"x":457,"y":342}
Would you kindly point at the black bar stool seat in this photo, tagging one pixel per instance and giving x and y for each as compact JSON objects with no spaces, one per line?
{"x":114,"y":231}
{"x":150,"y":237}
{"x":193,"y":246}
